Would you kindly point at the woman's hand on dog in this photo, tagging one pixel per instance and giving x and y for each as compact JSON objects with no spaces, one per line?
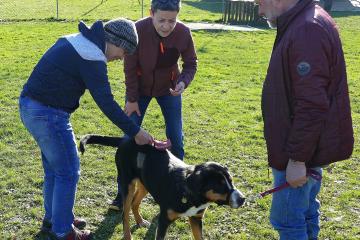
{"x":143,"y":137}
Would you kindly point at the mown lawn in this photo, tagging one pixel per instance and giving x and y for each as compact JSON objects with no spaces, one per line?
{"x":222,"y":122}
{"x":192,"y":10}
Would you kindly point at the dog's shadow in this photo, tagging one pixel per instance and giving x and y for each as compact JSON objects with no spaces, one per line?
{"x":112,"y":218}
{"x":107,"y":227}
{"x":40,"y":236}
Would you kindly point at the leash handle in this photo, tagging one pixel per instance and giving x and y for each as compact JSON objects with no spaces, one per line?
{"x":309,"y":172}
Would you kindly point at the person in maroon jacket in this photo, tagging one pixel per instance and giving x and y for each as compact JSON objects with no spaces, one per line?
{"x":153,"y":72}
{"x":306,"y":110}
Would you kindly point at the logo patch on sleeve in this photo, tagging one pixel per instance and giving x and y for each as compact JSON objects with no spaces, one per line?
{"x":303,"y":68}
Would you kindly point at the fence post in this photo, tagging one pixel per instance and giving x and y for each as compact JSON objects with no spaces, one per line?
{"x":57,"y":9}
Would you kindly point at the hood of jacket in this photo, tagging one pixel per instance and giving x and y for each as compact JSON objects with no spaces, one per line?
{"x":95,"y":33}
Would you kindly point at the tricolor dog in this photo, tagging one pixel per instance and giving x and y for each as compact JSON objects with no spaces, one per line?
{"x":181,"y":190}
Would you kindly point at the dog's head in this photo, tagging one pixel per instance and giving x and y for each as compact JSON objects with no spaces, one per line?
{"x":214,"y":182}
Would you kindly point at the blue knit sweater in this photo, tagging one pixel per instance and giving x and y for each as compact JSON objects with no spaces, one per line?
{"x":73,"y":64}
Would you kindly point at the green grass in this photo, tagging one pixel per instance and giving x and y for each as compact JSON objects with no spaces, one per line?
{"x":192,"y":10}
{"x":222,"y":122}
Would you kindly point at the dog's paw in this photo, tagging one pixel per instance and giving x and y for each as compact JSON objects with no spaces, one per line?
{"x":144,"y":223}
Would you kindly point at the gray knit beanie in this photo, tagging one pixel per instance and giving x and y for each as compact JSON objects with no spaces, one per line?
{"x":122,"y":33}
{"x":165,"y":5}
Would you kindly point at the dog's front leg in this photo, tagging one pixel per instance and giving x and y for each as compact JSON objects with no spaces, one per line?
{"x":196,"y":226}
{"x":163,"y":224}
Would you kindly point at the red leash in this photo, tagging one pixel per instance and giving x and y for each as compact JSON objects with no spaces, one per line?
{"x":161,"y":145}
{"x":310,"y":172}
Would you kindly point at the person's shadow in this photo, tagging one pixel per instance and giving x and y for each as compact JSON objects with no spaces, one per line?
{"x":104,"y":231}
{"x":106,"y":228}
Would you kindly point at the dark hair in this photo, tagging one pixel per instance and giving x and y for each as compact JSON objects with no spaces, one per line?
{"x":165,"y":5}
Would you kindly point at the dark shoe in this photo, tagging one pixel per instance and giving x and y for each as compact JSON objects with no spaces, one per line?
{"x":79,"y":223}
{"x":74,"y":234}
{"x":116,"y":205}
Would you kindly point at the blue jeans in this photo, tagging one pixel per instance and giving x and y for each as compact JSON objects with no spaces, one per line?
{"x":171,"y":110}
{"x":295,"y":211}
{"x":54,"y":135}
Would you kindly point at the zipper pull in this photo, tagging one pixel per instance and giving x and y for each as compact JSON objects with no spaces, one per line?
{"x":162,"y":48}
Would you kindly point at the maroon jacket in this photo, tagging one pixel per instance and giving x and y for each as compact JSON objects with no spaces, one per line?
{"x":153,"y":69}
{"x":305,"y":99}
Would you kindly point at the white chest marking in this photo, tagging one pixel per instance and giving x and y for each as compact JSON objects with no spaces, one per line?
{"x":194,"y":210}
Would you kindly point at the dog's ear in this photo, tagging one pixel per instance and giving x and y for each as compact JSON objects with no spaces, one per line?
{"x":208,"y":172}
{"x":221,"y":169}
{"x":193,"y":178}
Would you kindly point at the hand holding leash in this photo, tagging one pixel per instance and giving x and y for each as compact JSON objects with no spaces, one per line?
{"x":254,"y":197}
{"x":179,"y":89}
{"x":296,"y":173}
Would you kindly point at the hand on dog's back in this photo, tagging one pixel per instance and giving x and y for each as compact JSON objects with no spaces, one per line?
{"x":143,"y":137}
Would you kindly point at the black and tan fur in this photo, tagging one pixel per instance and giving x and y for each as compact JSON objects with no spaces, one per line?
{"x":181,"y":190}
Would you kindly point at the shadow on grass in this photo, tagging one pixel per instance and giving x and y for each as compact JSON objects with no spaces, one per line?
{"x":112,"y":219}
{"x":104,"y":231}
{"x":40,"y":236}
{"x":106,"y":228}
{"x":207,"y":5}
{"x":150,"y":234}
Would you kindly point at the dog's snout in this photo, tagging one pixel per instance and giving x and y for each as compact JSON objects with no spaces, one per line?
{"x":237,"y":199}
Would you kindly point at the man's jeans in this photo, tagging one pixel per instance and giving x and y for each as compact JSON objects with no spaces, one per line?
{"x":295,"y":211}
{"x":171,"y":110}
{"x":54,"y":135}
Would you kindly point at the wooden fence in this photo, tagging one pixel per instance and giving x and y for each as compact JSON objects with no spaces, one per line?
{"x":240,"y":12}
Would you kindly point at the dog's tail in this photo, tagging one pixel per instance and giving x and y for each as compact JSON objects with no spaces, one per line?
{"x":97,"y":139}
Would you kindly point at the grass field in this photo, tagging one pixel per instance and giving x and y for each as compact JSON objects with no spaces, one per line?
{"x":222,"y":122}
{"x":192,"y":10}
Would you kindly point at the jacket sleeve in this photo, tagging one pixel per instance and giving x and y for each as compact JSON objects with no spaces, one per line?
{"x":189,"y":65}
{"x":131,"y":77}
{"x":309,"y":64}
{"x":94,"y":74}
